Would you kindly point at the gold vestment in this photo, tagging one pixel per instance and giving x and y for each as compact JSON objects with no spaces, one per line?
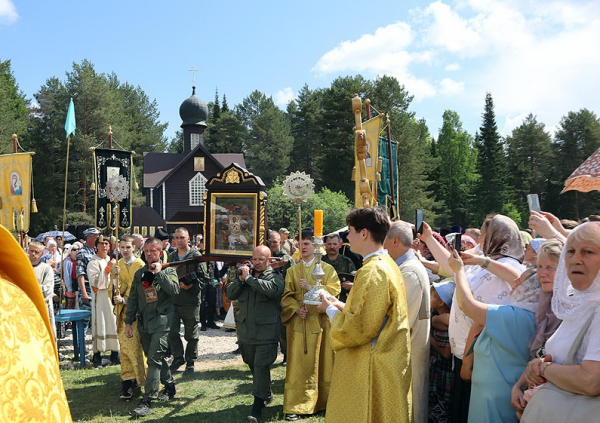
{"x":308,"y":376}
{"x":371,"y":380}
{"x":133,"y":360}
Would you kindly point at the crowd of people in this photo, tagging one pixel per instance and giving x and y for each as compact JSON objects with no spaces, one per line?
{"x":489,"y":324}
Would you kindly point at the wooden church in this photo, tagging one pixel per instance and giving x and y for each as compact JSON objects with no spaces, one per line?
{"x":174,"y":183}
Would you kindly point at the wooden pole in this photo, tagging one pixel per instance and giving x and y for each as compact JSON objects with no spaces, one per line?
{"x":15,"y":150}
{"x":302,"y":269}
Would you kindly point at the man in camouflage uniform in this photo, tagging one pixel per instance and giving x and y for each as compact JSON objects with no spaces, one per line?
{"x":151,"y":303}
{"x":258,"y":323}
{"x":192,"y":279}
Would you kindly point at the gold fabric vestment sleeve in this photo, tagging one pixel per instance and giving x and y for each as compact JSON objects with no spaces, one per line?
{"x":31,"y":388}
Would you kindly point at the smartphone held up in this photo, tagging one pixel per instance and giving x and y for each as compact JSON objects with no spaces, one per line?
{"x":419,"y":221}
{"x":534,"y":203}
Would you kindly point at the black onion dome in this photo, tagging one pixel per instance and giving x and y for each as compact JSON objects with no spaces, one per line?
{"x":193,"y":111}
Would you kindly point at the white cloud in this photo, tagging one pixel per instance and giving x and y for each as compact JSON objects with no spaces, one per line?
{"x":383,"y":53}
{"x":385,"y":48}
{"x":450,"y":31}
{"x":533,"y":56}
{"x":284,"y":96}
{"x":449,"y":86}
{"x":8,"y":12}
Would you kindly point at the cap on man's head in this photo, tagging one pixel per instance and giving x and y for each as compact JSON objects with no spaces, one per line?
{"x":90,"y":232}
{"x":445,"y":290}
{"x":284,"y":231}
{"x":162,"y":234}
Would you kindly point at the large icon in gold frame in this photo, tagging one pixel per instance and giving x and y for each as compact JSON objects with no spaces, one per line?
{"x":235,"y":208}
{"x":233,"y":219}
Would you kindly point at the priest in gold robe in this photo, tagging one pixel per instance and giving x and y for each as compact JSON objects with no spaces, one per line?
{"x":309,"y":353}
{"x":133,"y":360}
{"x":370,"y":334}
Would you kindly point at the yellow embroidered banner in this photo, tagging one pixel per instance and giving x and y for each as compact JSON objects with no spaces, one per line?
{"x":15,"y":191}
{"x":373,"y":128}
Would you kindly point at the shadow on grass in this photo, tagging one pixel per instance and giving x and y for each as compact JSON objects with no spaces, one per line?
{"x":215,"y":374}
{"x":236,"y":414}
{"x":215,"y":395}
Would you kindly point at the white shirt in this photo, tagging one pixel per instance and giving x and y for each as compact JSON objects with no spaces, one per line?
{"x":487,"y":288}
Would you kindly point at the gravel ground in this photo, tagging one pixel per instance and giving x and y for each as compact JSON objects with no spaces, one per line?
{"x":215,"y":349}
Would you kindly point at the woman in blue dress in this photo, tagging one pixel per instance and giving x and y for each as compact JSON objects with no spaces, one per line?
{"x":501,"y":350}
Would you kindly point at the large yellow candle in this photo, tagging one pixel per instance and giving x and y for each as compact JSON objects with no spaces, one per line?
{"x":318,"y":222}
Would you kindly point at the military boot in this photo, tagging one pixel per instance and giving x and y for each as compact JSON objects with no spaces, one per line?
{"x":257,"y":407}
{"x":142,"y":410}
{"x":167,"y":393}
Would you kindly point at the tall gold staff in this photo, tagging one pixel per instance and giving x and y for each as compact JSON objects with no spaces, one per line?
{"x":299,"y":187}
{"x":117,"y":189}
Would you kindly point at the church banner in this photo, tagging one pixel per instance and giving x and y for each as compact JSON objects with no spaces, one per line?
{"x":372,"y":128}
{"x":113,"y":175}
{"x":387,"y":193}
{"x":15,"y":191}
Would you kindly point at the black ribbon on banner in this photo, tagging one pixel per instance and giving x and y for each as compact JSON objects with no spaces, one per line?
{"x":113,"y":172}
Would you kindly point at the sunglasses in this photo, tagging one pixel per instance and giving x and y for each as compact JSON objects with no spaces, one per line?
{"x":74,"y":249}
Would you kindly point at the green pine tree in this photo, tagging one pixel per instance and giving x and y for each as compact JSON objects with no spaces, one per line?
{"x":268,"y":142}
{"x":13,"y":109}
{"x":529,"y":159}
{"x":492,"y":189}
{"x":455,"y":174}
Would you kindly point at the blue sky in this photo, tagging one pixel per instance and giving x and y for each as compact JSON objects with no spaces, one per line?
{"x":539,"y":57}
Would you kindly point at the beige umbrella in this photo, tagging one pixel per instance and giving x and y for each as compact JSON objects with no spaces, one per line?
{"x":586,"y":177}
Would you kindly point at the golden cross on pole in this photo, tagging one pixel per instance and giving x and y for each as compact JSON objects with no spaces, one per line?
{"x":194,"y":69}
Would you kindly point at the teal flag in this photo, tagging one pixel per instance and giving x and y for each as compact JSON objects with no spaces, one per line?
{"x":387,"y":193}
{"x":70,"y":123}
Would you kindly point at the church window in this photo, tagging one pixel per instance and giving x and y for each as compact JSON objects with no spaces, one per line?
{"x":197,"y":189}
{"x":194,"y":140}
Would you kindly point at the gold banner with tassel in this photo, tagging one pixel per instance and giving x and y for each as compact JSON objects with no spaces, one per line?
{"x":15,"y":189}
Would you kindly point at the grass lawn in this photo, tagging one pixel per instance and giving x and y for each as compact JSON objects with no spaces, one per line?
{"x":219,"y":395}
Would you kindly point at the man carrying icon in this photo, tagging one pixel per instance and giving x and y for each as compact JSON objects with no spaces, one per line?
{"x":258,"y":323}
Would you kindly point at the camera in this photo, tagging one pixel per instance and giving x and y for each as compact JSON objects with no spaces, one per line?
{"x":247,"y":264}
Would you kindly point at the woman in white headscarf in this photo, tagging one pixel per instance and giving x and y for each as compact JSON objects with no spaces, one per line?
{"x":546,"y":323}
{"x":570,"y":372}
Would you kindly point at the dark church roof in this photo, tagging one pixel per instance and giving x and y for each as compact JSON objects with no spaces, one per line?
{"x":157,"y":166}
{"x":193,"y":111}
{"x":228,"y":158}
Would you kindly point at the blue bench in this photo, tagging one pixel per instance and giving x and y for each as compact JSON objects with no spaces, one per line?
{"x":78,"y":317}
